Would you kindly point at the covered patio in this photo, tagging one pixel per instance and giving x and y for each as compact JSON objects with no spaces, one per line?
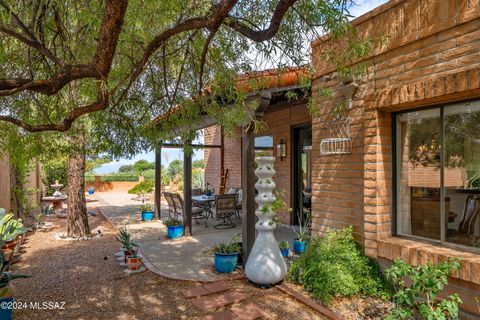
{"x":274,"y":95}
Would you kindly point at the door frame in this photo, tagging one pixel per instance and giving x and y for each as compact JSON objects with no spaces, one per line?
{"x":294,"y":160}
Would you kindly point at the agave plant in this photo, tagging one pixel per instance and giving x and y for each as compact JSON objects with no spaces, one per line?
{"x":10,"y":228}
{"x":124,"y":237}
{"x":6,"y":276}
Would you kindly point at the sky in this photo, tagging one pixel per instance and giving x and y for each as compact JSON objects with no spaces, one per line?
{"x":168,"y":155}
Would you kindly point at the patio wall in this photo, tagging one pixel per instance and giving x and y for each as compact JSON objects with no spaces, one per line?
{"x":432,"y":56}
{"x":4,"y":183}
{"x":279,"y":123}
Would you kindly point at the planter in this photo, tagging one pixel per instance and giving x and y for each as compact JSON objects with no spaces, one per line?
{"x":91,"y":190}
{"x":10,"y":245}
{"x":284,"y":252}
{"x":174,"y":232}
{"x":225,"y":263}
{"x":299,"y":246}
{"x":6,"y":309}
{"x":134,"y":262}
{"x":147,"y":215}
{"x":7,"y":255}
{"x":127,"y":253}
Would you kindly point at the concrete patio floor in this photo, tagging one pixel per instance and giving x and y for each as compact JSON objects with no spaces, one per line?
{"x":188,"y":258}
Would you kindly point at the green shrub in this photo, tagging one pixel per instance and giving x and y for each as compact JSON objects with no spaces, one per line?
{"x":142,"y":188}
{"x":335,"y":266}
{"x":419,"y":298}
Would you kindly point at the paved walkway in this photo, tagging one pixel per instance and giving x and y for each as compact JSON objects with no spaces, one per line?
{"x":188,"y":258}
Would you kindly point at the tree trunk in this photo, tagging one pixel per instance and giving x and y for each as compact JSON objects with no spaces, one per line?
{"x":77,"y":208}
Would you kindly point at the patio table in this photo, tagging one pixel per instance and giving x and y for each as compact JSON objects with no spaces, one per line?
{"x":205,"y":202}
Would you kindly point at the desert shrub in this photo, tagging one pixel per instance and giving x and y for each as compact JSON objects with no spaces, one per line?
{"x":335,"y":266}
{"x":142,"y":188}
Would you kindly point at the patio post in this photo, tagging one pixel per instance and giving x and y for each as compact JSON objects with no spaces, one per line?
{"x":248,"y":191}
{"x":158,"y":182}
{"x":187,"y":192}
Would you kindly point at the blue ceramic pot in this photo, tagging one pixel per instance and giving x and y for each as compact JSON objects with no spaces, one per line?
{"x":284,"y":252}
{"x":226,"y":263}
{"x":208,"y":193}
{"x":147,"y":215}
{"x":91,"y":190}
{"x":175,"y":232}
{"x":299,"y":246}
{"x":6,"y":312}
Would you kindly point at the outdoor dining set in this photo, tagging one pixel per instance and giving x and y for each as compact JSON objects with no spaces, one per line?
{"x":220,"y":206}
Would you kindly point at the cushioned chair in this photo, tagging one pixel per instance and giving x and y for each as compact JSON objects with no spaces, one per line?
{"x":197,"y":213}
{"x":225,"y":208}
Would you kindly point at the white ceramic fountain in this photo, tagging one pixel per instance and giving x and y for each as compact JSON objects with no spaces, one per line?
{"x":265,"y":265}
{"x":57,"y":186}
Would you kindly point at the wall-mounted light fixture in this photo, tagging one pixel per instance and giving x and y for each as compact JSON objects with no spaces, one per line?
{"x":282,"y":150}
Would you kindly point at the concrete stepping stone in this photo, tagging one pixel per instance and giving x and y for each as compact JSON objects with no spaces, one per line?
{"x":222,"y":315}
{"x":218,"y":300}
{"x":249,"y":312}
{"x":194,"y":292}
{"x":206,"y":289}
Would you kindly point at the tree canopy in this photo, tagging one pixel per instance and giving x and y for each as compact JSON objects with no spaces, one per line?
{"x":61,"y":60}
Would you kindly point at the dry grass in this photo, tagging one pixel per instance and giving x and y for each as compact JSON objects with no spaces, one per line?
{"x":86,"y":276}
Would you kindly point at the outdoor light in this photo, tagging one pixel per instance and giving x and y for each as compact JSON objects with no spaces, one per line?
{"x":282,"y":150}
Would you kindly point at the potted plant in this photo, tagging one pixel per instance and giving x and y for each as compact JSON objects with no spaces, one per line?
{"x":284,"y":248}
{"x":134,"y":262}
{"x":174,"y":228}
{"x":303,"y":233}
{"x":147,"y":212}
{"x":5,"y":278}
{"x":226,"y":255}
{"x":125,"y":238}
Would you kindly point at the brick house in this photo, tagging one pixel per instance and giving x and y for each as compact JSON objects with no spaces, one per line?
{"x":409,"y":183}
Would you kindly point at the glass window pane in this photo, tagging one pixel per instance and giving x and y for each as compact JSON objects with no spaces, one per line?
{"x":418,"y":174}
{"x":462,"y":173}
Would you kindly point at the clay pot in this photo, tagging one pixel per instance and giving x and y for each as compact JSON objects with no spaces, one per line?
{"x":10,"y":245}
{"x":134,"y":262}
{"x":127,"y":253}
{"x":7,"y":255}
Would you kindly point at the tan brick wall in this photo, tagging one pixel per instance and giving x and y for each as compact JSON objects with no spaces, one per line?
{"x":432,"y":57}
{"x":4,"y":183}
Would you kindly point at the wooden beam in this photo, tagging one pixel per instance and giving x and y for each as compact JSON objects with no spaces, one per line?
{"x":194,"y":146}
{"x":187,"y":193}
{"x":248,"y":192}
{"x":158,"y":183}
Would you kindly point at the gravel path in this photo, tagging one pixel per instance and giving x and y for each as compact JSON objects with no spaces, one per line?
{"x":86,"y":276}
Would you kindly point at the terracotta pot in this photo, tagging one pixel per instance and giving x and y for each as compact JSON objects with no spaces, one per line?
{"x":127,"y":253}
{"x":10,"y":245}
{"x":134,"y":262}
{"x":7,"y":255}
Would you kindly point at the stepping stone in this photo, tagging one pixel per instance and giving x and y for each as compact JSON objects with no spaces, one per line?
{"x":249,"y":312}
{"x":219,"y":300}
{"x":194,"y":292}
{"x":222,"y":315}
{"x":216,"y":287}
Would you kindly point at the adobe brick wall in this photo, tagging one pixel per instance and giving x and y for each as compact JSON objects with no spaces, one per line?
{"x":432,"y":57}
{"x":4,"y":183}
{"x":279,"y":123}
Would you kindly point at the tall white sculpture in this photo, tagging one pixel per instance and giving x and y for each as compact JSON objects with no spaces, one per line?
{"x":265,"y":265}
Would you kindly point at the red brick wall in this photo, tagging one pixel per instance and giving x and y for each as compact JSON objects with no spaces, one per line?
{"x":432,"y":57}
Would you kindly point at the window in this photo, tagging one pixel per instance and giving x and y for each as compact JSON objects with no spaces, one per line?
{"x":438,"y":174}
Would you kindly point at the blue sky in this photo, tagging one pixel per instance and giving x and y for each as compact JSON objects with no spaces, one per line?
{"x":360,"y":7}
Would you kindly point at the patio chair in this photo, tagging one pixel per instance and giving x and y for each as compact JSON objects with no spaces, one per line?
{"x":171,"y":204}
{"x":465,"y":230}
{"x":225,"y":208}
{"x":197,"y":213}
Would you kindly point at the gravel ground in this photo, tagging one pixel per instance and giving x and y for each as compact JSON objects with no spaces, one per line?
{"x":86,"y":276}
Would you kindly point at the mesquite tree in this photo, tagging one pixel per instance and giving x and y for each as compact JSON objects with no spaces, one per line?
{"x":117,"y":64}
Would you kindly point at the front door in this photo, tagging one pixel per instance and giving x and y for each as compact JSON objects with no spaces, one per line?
{"x":302,"y":172}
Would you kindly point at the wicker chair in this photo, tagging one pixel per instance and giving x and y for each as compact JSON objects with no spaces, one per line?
{"x":426,"y":217}
{"x":197,"y":213}
{"x":225,"y":208}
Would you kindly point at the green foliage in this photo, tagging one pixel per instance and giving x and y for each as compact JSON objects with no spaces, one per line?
{"x":146,"y":207}
{"x":335,"y":266}
{"x":172,"y":222}
{"x":142,"y":189}
{"x":198,"y":164}
{"x":55,"y":169}
{"x":284,"y":245}
{"x":10,"y":228}
{"x":124,"y":237}
{"x":142,"y":165}
{"x":126,"y":168}
{"x":6,"y":276}
{"x":198,"y":178}
{"x":417,"y":298}
{"x":94,"y":163}
{"x":228,"y":247}
{"x":174,"y":169}
{"x":303,"y":233}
